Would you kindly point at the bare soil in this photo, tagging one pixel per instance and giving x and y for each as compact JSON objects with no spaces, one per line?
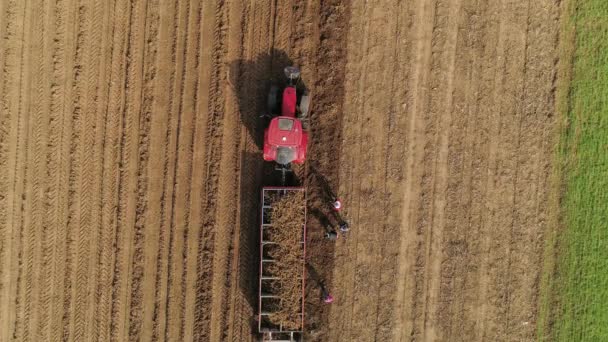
{"x":131,"y":169}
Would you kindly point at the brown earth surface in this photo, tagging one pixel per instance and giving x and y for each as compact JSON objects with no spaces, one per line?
{"x":130,"y":165}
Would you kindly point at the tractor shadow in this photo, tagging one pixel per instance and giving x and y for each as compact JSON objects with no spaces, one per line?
{"x":251,"y":80}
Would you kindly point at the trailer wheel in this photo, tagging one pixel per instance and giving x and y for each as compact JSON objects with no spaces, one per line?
{"x":272,"y":99}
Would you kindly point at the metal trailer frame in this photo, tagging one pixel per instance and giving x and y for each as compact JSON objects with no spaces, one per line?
{"x":274,"y":333}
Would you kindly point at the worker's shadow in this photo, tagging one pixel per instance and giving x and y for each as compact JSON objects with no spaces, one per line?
{"x":326,"y":194}
{"x":323,"y":219}
{"x":251,"y":81}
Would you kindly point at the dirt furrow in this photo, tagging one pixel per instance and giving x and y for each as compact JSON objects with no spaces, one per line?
{"x":483,"y":158}
{"x":12,"y":31}
{"x":370,"y":174}
{"x":111,"y":170}
{"x":444,"y":40}
{"x":53,"y":66}
{"x":183,"y":176}
{"x":127,"y":187}
{"x":203,"y":316}
{"x":494,"y":115}
{"x":330,"y":20}
{"x":459,"y":267}
{"x":66,"y":15}
{"x":533,"y":170}
{"x":199,"y":147}
{"x":140,"y":269}
{"x":85,"y":116}
{"x":97,"y":91}
{"x":99,"y":260}
{"x":33,"y":202}
{"x":167,"y":103}
{"x":73,"y":108}
{"x":508,"y":89}
{"x":228,"y":179}
{"x":410,"y":261}
{"x":397,"y":156}
{"x":156,"y":120}
{"x":180,"y":213}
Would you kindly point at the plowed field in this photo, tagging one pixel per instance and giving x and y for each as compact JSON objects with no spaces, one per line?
{"x":130,"y":165}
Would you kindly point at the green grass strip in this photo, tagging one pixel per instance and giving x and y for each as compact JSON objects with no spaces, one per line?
{"x":574,"y":290}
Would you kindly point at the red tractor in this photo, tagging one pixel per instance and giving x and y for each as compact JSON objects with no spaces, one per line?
{"x":285,"y":138}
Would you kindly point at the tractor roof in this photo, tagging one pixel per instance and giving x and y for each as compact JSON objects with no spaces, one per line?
{"x":285,"y":131}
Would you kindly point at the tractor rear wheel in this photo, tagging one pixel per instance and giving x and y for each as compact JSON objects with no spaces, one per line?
{"x":304,"y":105}
{"x":272,"y":99}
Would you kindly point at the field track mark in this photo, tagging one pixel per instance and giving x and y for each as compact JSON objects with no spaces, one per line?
{"x":74,"y":214}
{"x":459,"y":273}
{"x":141,"y":270}
{"x":481,"y":163}
{"x":65,"y":17}
{"x":283,"y":18}
{"x":410,"y":262}
{"x":151,"y":171}
{"x":53,"y":64}
{"x":114,"y":96}
{"x":85,"y":109}
{"x":494,"y":119}
{"x":11,"y":134}
{"x":504,"y":173}
{"x":227,"y":196}
{"x":537,"y":108}
{"x":197,"y":149}
{"x":397,"y":157}
{"x":127,"y":186}
{"x":191,"y":226}
{"x":99,"y":259}
{"x":350,"y":178}
{"x":371,"y":171}
{"x":203,"y":316}
{"x":35,"y":170}
{"x":181,"y":187}
{"x":231,"y":161}
{"x":169,"y":30}
{"x":445,"y":35}
{"x":235,"y":299}
{"x":180,"y":41}
{"x":510,"y":288}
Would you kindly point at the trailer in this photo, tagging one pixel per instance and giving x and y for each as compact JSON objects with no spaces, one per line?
{"x":268,"y":299}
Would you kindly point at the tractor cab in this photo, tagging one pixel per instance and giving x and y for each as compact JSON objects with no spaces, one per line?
{"x":285,"y":141}
{"x":285,"y":138}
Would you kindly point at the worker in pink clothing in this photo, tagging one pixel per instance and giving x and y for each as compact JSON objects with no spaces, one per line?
{"x":336,"y":204}
{"x":327,"y":297}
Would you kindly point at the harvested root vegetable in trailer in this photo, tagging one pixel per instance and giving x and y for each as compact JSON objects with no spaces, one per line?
{"x":282,"y":237}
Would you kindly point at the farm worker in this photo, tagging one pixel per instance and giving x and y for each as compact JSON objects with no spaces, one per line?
{"x":344,"y":227}
{"x":332,"y":235}
{"x":337,"y":204}
{"x":327,"y":298}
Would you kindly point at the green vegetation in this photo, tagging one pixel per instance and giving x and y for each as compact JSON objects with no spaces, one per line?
{"x":574,"y":291}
